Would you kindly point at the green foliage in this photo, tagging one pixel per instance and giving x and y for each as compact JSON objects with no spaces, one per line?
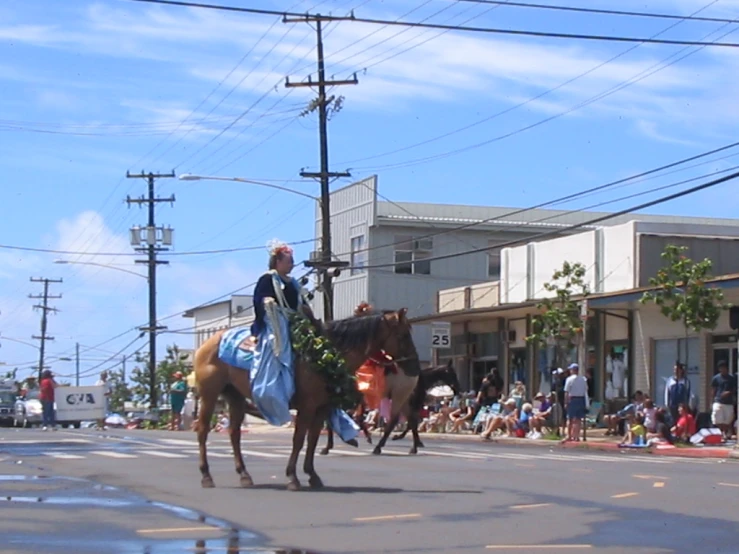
{"x":681,"y":292}
{"x":326,"y":361}
{"x":559,"y":319}
{"x":174,"y":361}
{"x":120,"y":393}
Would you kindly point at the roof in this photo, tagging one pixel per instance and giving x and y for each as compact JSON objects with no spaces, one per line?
{"x":405,"y":212}
{"x":602,"y":299}
{"x":191,"y":311}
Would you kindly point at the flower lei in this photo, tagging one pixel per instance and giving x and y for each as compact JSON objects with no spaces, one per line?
{"x":341,"y":384}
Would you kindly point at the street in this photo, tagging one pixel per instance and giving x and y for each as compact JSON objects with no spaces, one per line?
{"x":139,"y":491}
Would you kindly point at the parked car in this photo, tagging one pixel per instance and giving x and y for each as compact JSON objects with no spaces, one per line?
{"x":7,"y":405}
{"x":28,"y":410}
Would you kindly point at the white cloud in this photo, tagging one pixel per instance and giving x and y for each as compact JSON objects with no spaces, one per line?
{"x":88,"y":235}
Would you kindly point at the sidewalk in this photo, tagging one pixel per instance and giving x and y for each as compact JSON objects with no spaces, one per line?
{"x":596,"y":440}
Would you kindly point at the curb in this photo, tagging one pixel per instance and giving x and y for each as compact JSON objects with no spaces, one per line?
{"x":714,"y":453}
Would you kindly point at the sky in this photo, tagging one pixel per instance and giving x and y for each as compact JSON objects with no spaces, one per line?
{"x":92,"y":90}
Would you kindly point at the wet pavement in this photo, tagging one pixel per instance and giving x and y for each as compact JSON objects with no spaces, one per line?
{"x":43,"y":512}
{"x":127,"y":491}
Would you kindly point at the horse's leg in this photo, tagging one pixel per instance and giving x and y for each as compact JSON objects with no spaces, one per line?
{"x":402,"y":435}
{"x":386,"y":433}
{"x":236,"y":409}
{"x":301,"y":427}
{"x":314,"y":431}
{"x":413,"y":418}
{"x":330,"y":442}
{"x":207,"y":406}
{"x":359,"y":420}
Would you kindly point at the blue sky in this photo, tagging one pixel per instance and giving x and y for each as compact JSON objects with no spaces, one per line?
{"x":92,"y":89}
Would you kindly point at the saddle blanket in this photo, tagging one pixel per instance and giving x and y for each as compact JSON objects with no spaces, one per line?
{"x":229,"y":350}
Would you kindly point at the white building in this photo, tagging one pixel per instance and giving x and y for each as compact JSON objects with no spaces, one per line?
{"x":367,"y":231}
{"x":619,"y":262}
{"x":238,"y":311}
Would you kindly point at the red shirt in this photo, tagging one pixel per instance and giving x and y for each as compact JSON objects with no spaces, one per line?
{"x":687,"y":425}
{"x":46,"y":390}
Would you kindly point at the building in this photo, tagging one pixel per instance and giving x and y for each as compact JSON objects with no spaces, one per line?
{"x":367,"y":231}
{"x":238,"y":311}
{"x":629,"y":345}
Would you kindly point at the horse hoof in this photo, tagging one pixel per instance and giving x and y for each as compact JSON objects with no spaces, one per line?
{"x":413,"y":451}
{"x":421,"y":445}
{"x":324,"y":452}
{"x":397,"y":437}
{"x":369,"y":440}
{"x":207,"y":483}
{"x":246,"y":481}
{"x":377,"y":451}
{"x":315,"y":482}
{"x":353,"y":442}
{"x":293,"y":486}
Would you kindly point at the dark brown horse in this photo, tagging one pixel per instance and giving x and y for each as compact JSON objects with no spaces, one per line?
{"x":429,"y":378}
{"x":411,"y":409}
{"x":352,"y":337}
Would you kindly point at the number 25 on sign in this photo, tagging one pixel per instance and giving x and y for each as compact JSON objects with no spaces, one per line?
{"x":441,"y":334}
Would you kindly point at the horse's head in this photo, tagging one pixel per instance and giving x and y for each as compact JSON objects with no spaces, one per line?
{"x":398,"y":340}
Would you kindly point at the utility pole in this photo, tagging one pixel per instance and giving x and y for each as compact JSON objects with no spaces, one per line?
{"x":152,"y":240}
{"x":45,"y":309}
{"x":321,"y":104}
{"x":77,"y":364}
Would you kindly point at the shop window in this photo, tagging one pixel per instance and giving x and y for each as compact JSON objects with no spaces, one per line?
{"x":412,"y":256}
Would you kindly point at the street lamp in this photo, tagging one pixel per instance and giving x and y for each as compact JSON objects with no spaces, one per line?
{"x":191,"y":177}
{"x":66,"y":262}
{"x":324,"y":264}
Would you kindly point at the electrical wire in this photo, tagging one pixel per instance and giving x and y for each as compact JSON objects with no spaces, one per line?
{"x":520,"y":104}
{"x":569,"y":228}
{"x":485,"y":30}
{"x":578,"y":9}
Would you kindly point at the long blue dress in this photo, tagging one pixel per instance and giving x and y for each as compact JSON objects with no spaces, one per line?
{"x":273,"y":371}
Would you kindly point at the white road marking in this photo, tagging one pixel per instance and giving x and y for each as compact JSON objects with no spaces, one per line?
{"x":63,"y":456}
{"x":161,"y":453}
{"x":210,"y":454}
{"x":44,"y":441}
{"x":112,"y":454}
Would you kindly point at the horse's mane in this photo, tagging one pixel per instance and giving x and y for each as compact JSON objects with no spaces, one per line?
{"x":354,"y":332}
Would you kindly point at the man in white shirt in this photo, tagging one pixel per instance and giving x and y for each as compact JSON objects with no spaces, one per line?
{"x":576,"y":393}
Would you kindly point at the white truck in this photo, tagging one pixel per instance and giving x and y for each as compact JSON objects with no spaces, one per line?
{"x":77,"y":404}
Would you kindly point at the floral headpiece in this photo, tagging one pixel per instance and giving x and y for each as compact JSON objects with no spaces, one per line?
{"x":363,"y":309}
{"x":277,"y":247}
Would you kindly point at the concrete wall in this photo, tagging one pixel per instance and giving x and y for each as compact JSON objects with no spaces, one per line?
{"x":618,"y":258}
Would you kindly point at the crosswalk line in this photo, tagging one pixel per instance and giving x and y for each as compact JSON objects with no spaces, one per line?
{"x":256,"y":453}
{"x":63,"y":456}
{"x":161,"y":453}
{"x":211,"y":454}
{"x":113,"y":454}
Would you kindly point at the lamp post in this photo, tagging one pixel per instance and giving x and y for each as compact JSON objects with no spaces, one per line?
{"x":322,"y":262}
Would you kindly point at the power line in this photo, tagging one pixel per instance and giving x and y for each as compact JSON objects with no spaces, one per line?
{"x":568,"y":197}
{"x":604,"y":94}
{"x":194,"y":253}
{"x":45,"y":309}
{"x":463,"y":28}
{"x":602,"y":11}
{"x":573,"y":227}
{"x":520,"y":104}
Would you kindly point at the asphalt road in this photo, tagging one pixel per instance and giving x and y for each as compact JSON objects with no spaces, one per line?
{"x":139,"y":491}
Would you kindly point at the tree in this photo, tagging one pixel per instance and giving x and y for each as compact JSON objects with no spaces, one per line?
{"x":120,"y":392}
{"x":174,"y":361}
{"x":559,"y":320}
{"x":682,"y":295}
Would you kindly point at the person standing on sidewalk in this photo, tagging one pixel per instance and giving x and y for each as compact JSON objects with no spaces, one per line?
{"x":677,"y":391}
{"x":46,"y":396}
{"x":723,"y":386}
{"x":576,"y":393}
{"x":177,"y":394}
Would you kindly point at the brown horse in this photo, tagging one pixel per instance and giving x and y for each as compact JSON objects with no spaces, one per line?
{"x":411,"y":408}
{"x":353,"y":338}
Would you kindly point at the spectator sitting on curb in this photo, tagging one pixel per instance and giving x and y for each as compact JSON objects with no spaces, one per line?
{"x":612,"y":421}
{"x":637,"y":434}
{"x":662,"y":434}
{"x":685,"y":426}
{"x":520,"y":425}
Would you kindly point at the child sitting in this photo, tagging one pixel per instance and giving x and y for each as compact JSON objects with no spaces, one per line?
{"x":637,"y":434}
